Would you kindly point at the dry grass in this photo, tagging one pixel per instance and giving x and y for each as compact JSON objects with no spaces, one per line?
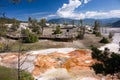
{"x":89,"y":40}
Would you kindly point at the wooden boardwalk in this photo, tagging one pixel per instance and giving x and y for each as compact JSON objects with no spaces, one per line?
{"x":49,"y":37}
{"x":13,"y":37}
{"x":57,"y":37}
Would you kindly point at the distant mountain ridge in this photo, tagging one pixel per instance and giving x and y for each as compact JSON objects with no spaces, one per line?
{"x":87,"y":21}
{"x":112,"y":22}
{"x":67,"y":20}
{"x":116,"y":24}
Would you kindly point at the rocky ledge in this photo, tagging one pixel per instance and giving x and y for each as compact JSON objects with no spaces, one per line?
{"x":72,"y":62}
{"x":73,"y":65}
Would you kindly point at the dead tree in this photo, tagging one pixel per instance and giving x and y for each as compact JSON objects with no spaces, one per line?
{"x":21,"y":60}
{"x":81,"y":31}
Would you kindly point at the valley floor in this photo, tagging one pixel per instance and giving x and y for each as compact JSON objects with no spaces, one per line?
{"x":43,"y":47}
{"x":90,"y":39}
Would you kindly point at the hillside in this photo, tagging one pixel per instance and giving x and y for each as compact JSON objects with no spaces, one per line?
{"x":69,"y":21}
{"x":116,"y":24}
{"x":90,"y":21}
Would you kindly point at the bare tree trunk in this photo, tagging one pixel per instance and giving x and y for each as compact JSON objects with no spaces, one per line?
{"x":42,"y":29}
{"x":19,"y":58}
{"x":19,"y":62}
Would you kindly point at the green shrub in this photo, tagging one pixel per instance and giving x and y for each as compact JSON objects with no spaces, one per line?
{"x":5,"y":47}
{"x":98,"y":34}
{"x":14,"y":27}
{"x":31,"y":38}
{"x":94,"y":32}
{"x":90,"y":30}
{"x":28,"y":37}
{"x":107,"y":62}
{"x":98,"y":68}
{"x":110,"y":35}
{"x":58,"y":30}
{"x":3,"y":30}
{"x":104,"y":40}
{"x":26,"y":76}
{"x":80,"y":35}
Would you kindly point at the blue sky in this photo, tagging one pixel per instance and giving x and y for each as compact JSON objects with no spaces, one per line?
{"x":75,"y":9}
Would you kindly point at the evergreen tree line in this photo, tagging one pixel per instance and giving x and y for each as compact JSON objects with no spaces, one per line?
{"x":108,"y":63}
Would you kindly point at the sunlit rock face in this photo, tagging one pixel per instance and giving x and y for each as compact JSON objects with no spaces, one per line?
{"x":79,"y":60}
{"x":11,"y":60}
{"x":48,"y":61}
{"x":8,"y":60}
{"x":55,"y":65}
{"x":75,"y":60}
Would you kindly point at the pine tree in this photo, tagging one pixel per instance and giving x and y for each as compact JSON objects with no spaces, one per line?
{"x":107,"y":62}
{"x":81,"y":31}
{"x":58,"y":30}
{"x":43,"y":24}
{"x":96,"y":28}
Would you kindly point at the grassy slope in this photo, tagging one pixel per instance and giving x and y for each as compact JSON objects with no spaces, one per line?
{"x":11,"y":74}
{"x":7,"y":74}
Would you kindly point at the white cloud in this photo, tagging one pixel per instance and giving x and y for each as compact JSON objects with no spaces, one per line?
{"x":51,"y":15}
{"x":102,"y":14}
{"x":37,"y":13}
{"x":68,"y":10}
{"x":86,"y":1}
{"x":92,"y":14}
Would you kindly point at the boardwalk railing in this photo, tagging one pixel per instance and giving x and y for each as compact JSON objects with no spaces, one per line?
{"x":57,"y":37}
{"x":49,"y":37}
